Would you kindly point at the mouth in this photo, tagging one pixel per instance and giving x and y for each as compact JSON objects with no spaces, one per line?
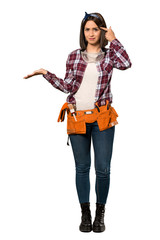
{"x":91,"y":38}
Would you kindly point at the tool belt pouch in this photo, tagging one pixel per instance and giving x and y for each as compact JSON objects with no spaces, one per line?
{"x":103,"y":118}
{"x":76,"y":127}
{"x":63,"y":110}
{"x":107,"y":117}
{"x":113,"y":117}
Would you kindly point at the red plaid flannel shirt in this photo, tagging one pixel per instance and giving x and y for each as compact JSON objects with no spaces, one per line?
{"x":115,"y":57}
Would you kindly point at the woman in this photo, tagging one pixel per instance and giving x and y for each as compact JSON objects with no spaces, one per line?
{"x":88,"y":80}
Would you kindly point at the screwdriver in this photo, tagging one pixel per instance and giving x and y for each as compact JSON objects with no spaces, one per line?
{"x":71,"y":108}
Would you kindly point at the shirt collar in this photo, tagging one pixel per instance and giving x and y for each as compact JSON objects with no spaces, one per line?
{"x":92,"y":57}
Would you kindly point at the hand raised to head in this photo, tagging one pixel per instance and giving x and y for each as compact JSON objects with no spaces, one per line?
{"x":109,"y":35}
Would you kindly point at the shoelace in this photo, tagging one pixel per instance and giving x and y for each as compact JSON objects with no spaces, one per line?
{"x":86,"y":215}
{"x":99,"y":214}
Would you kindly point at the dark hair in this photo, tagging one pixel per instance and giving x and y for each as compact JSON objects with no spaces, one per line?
{"x":100,"y":23}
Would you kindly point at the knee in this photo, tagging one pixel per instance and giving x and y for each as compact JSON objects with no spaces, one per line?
{"x":82,"y":168}
{"x":103,"y":172}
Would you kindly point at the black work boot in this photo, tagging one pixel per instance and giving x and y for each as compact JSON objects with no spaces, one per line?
{"x":98,"y":224}
{"x":86,"y":219}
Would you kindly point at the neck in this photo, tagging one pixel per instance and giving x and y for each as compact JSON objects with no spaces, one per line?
{"x":93,"y":49}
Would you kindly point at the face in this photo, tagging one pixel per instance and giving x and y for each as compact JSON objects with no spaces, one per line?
{"x":92,"y":32}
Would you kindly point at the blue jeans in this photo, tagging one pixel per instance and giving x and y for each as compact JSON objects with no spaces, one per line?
{"x":102,"y":145}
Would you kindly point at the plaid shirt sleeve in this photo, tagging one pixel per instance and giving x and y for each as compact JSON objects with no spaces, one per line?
{"x":119,"y":55}
{"x":64,"y":85}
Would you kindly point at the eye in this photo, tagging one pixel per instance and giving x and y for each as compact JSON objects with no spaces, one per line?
{"x":95,"y":29}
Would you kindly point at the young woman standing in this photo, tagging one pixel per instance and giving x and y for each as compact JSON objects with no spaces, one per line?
{"x":88,"y":82}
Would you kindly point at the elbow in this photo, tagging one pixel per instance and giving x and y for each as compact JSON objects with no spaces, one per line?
{"x":130,"y":64}
{"x":127,"y":65}
{"x":123,"y":65}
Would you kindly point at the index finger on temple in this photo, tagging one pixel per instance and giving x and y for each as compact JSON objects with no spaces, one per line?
{"x":103,"y":28}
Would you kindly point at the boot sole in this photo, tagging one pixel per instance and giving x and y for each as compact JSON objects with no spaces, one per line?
{"x":98,"y":229}
{"x":85,"y":229}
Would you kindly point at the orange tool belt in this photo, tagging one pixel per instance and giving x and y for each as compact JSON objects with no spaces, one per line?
{"x":105,"y":115}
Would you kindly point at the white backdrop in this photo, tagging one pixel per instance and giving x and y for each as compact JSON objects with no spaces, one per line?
{"x":38,"y":198}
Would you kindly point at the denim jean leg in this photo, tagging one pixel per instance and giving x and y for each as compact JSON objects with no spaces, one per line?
{"x":81,"y":150}
{"x":103,"y":145}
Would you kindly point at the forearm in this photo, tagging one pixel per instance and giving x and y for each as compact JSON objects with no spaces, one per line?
{"x":119,"y":55}
{"x":56,"y":82}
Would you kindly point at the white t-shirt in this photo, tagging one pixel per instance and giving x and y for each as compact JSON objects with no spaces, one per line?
{"x":85,"y":95}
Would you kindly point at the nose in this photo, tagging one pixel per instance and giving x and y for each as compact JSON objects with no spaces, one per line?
{"x":91,"y":35}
